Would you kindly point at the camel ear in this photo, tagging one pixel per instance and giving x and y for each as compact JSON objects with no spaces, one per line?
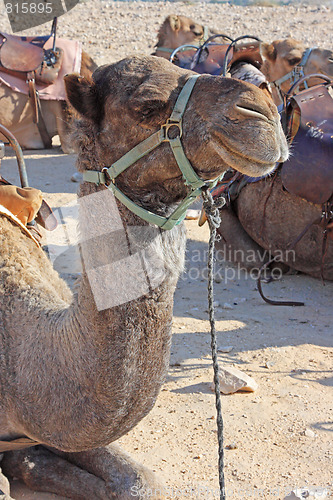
{"x":174,"y":22}
{"x":82,"y":95}
{"x":268,"y":51}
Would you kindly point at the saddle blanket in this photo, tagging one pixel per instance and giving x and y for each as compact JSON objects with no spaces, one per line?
{"x":56,"y":91}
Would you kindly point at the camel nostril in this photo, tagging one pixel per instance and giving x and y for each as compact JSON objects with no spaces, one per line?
{"x":251,"y":111}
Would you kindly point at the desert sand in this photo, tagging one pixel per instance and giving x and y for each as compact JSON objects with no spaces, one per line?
{"x":280,"y":435}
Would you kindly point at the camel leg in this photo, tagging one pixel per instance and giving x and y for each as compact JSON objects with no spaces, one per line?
{"x":125,"y":478}
{"x":103,"y":473}
{"x":236,"y":245}
{"x":42,"y":470}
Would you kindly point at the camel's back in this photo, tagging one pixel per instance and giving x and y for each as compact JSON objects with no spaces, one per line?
{"x":26,"y":274}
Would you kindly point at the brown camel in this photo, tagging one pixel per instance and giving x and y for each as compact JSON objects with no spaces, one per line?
{"x":79,"y":371}
{"x":252,"y":232}
{"x":279,"y":57}
{"x":266,"y":220}
{"x":176,"y":31}
{"x":17,"y":116}
{"x":282,"y":56}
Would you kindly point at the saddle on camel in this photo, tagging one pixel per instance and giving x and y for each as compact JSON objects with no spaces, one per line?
{"x":34,"y":67}
{"x":301,"y":191}
{"x":27,"y":59}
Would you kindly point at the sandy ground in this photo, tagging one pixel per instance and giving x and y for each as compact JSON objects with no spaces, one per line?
{"x":288,"y":351}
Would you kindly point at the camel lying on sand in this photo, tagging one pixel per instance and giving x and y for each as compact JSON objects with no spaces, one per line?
{"x":176,"y":31}
{"x":77,"y":373}
{"x":279,"y":57}
{"x":16,"y":114}
{"x":266,"y":219}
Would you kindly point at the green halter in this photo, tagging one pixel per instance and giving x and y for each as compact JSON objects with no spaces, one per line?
{"x":108,"y":175}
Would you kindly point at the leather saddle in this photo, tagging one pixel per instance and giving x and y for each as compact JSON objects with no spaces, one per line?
{"x":308,"y":172}
{"x":20,"y":55}
{"x":27,"y":204}
{"x":210,"y":59}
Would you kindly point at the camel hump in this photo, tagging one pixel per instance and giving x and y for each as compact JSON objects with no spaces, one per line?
{"x":308,"y":172}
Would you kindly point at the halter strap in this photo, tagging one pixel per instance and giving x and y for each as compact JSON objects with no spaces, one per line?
{"x":296,"y":73}
{"x":108,"y":175}
{"x":164,"y":49}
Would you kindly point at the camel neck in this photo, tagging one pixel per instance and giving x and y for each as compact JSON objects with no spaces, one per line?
{"x":124,"y":311}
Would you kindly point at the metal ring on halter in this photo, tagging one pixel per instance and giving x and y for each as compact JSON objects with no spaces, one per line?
{"x":299,"y":82}
{"x":233,"y":43}
{"x":182,"y":48}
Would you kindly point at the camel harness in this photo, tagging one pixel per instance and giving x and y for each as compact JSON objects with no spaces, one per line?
{"x":295,"y":74}
{"x":108,"y":176}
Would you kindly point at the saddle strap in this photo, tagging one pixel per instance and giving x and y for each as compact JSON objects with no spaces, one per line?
{"x":17,"y":444}
{"x":37,"y":111}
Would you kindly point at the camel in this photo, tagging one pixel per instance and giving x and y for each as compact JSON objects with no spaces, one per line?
{"x":80,"y":370}
{"x":264,"y":220}
{"x":17,"y":116}
{"x":252,"y":232}
{"x":281,"y":57}
{"x":176,"y":31}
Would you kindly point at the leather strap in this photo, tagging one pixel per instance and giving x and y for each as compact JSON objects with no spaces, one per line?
{"x":108,"y":175}
{"x":33,"y":96}
{"x":37,"y":111}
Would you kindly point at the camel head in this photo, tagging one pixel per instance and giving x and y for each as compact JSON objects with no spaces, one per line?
{"x":176,"y":31}
{"x":226,"y":123}
{"x":281,"y":56}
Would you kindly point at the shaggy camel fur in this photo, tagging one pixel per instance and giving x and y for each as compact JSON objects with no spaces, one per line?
{"x":76,"y":376}
{"x":16,"y":115}
{"x":176,"y":31}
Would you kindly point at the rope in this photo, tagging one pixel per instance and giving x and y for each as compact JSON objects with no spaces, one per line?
{"x":211,"y":208}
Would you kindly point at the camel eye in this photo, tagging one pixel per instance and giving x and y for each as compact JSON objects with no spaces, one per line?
{"x":294,"y":61}
{"x":192,"y":27}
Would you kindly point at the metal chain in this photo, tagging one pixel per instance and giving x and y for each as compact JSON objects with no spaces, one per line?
{"x":211,"y":208}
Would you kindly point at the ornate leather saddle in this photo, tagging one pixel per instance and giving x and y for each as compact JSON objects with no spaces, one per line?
{"x":20,"y":56}
{"x":26,"y":58}
{"x":210,"y":57}
{"x":308,"y":173}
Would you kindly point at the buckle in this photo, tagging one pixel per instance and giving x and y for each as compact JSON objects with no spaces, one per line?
{"x":107,"y":178}
{"x":168,"y":126}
